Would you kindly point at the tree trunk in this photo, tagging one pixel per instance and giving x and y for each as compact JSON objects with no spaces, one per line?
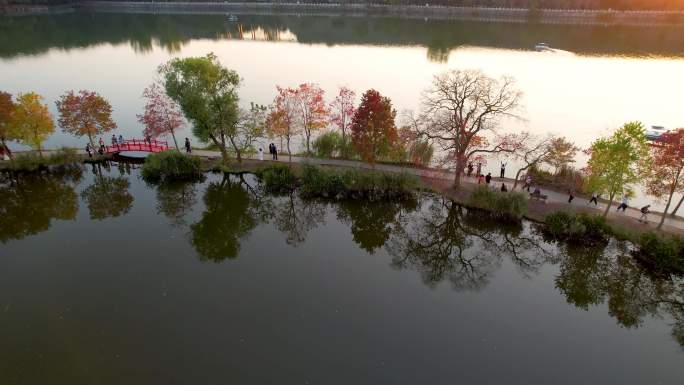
{"x":459,"y":171}
{"x":610,"y":203}
{"x":667,"y":206}
{"x":672,"y":214}
{"x":308,"y":139}
{"x":90,"y":138}
{"x":517,"y":176}
{"x":669,"y":199}
{"x":9,"y":153}
{"x":289,"y":153}
{"x":173,"y":135}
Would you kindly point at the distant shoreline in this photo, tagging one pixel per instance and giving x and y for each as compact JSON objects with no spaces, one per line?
{"x":513,"y":15}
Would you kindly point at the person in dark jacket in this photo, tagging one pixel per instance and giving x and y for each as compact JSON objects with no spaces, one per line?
{"x":504,"y":188}
{"x":488,"y":178}
{"x":188,"y":148}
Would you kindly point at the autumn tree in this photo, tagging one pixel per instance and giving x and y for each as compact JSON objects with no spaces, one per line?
{"x":615,"y":160}
{"x":31,"y":121}
{"x":313,"y":112}
{"x":250,"y":126}
{"x":207,"y":94}
{"x":85,"y":113}
{"x":162,"y":115}
{"x":7,"y":108}
{"x":373,"y":128}
{"x":561,"y":153}
{"x":282,"y":120}
{"x":664,"y":176}
{"x":532,"y":152}
{"x":461,"y":111}
{"x":342,"y":110}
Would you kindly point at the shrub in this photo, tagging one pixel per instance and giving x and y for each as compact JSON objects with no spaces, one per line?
{"x":326,"y":144}
{"x":32,"y":161}
{"x":345,"y":148}
{"x":566,"y":178}
{"x":511,"y":205}
{"x":663,"y":253}
{"x":278,"y":178}
{"x":577,"y":227}
{"x":171,"y":165}
{"x":355,"y":184}
{"x":421,"y":152}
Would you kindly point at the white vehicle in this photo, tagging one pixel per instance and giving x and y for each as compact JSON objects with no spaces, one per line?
{"x":542,"y":47}
{"x":655,"y":132}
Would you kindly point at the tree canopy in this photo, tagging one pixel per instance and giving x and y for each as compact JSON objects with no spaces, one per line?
{"x":615,"y":160}
{"x":373,"y":129}
{"x":207,"y":94}
{"x":31,"y":121}
{"x":85,"y":113}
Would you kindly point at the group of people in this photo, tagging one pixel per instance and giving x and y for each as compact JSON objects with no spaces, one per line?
{"x":487,"y":179}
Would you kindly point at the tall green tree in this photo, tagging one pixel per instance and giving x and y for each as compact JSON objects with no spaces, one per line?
{"x":207,"y":94}
{"x":615,"y":160}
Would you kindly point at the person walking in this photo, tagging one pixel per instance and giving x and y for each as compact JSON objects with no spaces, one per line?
{"x":623,"y":205}
{"x":644,"y":213}
{"x":470,"y":169}
{"x":114,"y":142}
{"x":89,"y":150}
{"x":488,"y":178}
{"x":120,"y":139}
{"x":270,"y":150}
{"x":480,"y":179}
{"x":528,"y":183}
{"x":594,"y":198}
{"x":101,"y":142}
{"x":275,"y":152}
{"x":503,"y":169}
{"x":188,"y":148}
{"x":571,"y":196}
{"x":504,"y":188}
{"x":261,"y":154}
{"x":479,"y":168}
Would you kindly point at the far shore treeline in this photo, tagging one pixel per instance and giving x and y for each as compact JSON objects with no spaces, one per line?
{"x":525,"y":4}
{"x":459,"y":123}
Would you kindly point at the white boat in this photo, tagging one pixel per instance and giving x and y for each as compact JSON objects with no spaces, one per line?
{"x":232,"y":18}
{"x":655,"y":132}
{"x":542,"y":47}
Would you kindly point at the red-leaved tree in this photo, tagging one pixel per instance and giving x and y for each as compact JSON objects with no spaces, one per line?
{"x":342,"y":110}
{"x":7,"y":107}
{"x":85,"y":113}
{"x":162,"y":115}
{"x":282,"y":120}
{"x":665,"y":175}
{"x":313,"y":112}
{"x":373,"y":129}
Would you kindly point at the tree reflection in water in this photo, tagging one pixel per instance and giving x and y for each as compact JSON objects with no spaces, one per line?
{"x":372,"y":223}
{"x":590,"y":277}
{"x":444,"y":241}
{"x":231,"y":213}
{"x":295,"y":217}
{"x":29,"y":202}
{"x":175,"y":199}
{"x":107,"y":196}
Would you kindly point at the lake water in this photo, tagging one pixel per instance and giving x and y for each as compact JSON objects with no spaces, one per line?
{"x":105,"y":279}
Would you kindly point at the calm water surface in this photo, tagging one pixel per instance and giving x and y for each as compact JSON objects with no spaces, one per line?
{"x":107,"y":280}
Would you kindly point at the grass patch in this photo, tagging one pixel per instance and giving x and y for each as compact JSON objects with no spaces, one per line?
{"x":316,"y":181}
{"x":277,"y":178}
{"x":171,"y":165}
{"x":32,"y":161}
{"x":577,"y":228}
{"x":664,"y":253}
{"x":355,"y":184}
{"x":509,"y":205}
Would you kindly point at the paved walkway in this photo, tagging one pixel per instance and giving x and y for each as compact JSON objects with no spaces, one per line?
{"x":553,"y":196}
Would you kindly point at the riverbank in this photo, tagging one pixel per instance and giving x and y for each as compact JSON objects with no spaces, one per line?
{"x":487,"y":14}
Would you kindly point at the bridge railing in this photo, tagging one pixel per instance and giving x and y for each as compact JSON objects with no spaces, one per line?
{"x":152,"y":145}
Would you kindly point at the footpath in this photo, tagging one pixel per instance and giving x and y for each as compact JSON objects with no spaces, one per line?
{"x":554,"y":201}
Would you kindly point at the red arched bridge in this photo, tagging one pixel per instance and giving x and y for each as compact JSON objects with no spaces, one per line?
{"x":137,"y":145}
